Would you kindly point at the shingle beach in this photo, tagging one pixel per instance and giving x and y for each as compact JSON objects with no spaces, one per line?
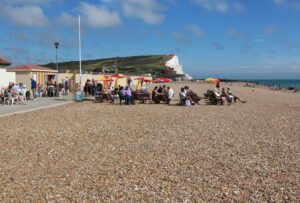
{"x":101,"y":152}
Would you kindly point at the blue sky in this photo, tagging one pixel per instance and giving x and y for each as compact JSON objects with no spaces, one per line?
{"x":238,"y":39}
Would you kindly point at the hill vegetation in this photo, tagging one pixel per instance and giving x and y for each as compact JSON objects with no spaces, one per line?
{"x":133,"y":65}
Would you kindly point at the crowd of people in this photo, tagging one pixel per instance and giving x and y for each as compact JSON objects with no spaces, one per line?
{"x":19,"y":93}
{"x":159,"y":94}
{"x":52,"y":88}
{"x":15,"y":93}
{"x":92,"y":88}
{"x":224,"y":95}
{"x":162,"y":93}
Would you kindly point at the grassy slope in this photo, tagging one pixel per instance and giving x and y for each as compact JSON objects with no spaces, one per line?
{"x":133,"y":65}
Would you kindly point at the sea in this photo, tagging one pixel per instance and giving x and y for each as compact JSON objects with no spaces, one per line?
{"x":278,"y":83}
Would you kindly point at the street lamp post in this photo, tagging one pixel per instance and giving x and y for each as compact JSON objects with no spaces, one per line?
{"x":116,"y":65}
{"x":56,"y":44}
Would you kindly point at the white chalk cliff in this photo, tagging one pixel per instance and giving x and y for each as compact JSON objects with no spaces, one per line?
{"x":177,"y":67}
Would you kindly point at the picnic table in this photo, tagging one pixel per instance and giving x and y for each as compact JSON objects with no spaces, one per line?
{"x":103,"y":96}
{"x":141,"y":96}
{"x":160,"y":97}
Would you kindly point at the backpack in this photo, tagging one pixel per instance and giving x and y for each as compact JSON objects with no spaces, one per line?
{"x":188,"y":103}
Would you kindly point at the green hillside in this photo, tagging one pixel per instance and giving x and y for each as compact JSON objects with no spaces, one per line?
{"x":133,"y":65}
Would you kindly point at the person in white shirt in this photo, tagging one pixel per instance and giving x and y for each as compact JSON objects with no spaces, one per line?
{"x":182,"y":96}
{"x":170,"y":92}
{"x":217,"y":93}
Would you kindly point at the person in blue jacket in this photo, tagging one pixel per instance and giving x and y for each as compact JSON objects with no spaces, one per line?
{"x":33,"y":88}
{"x":66,"y":85}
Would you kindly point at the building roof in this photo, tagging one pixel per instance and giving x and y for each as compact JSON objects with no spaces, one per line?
{"x":4,"y":62}
{"x":30,"y":68}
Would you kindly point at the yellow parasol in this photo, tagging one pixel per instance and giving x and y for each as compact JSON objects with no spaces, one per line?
{"x":117,"y":75}
{"x":102,"y":78}
{"x":212,"y":80}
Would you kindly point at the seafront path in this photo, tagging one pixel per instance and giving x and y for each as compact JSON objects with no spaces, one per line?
{"x":33,"y":105}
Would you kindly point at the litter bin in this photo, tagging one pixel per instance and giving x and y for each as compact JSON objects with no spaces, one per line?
{"x":78,"y":97}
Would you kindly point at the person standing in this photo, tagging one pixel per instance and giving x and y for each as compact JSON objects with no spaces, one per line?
{"x":66,"y":86}
{"x":128,"y":96}
{"x":129,"y":81}
{"x":218,"y":85}
{"x":33,"y":88}
{"x":170,"y":93}
{"x":40,"y":89}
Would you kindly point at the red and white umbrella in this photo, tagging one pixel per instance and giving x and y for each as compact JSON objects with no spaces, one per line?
{"x":163,"y":80}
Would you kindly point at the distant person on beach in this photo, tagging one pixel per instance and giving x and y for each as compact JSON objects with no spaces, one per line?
{"x":128,"y":96}
{"x":170,"y":93}
{"x":230,"y":96}
{"x":185,"y":100}
{"x":88,"y":87}
{"x":21,"y":93}
{"x":51,"y":91}
{"x":40,"y":89}
{"x":218,"y":85}
{"x":52,"y":81}
{"x":186,"y":89}
{"x":224,"y":97}
{"x":217,"y":93}
{"x":94,"y":87}
{"x":235,"y":98}
{"x":100,"y":87}
{"x":66,"y":86}
{"x":154,"y":93}
{"x":56,"y":89}
{"x":33,"y":88}
{"x":182,"y":96}
{"x":22,"y":90}
{"x":164,"y":89}
{"x":160,"y":89}
{"x":129,"y":81}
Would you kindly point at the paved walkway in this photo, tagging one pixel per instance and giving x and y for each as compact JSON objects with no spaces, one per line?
{"x":32,"y":105}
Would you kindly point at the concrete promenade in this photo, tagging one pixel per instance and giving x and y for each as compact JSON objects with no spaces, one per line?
{"x":32,"y":105}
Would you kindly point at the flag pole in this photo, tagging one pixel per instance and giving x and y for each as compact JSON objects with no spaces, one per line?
{"x":79,"y":43}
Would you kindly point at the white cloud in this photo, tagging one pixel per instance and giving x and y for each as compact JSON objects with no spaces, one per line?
{"x":293,"y":4}
{"x":24,"y":2}
{"x":98,"y":16}
{"x":27,"y":16}
{"x":147,"y":10}
{"x":195,"y":29}
{"x":220,"y":5}
{"x":27,"y":2}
